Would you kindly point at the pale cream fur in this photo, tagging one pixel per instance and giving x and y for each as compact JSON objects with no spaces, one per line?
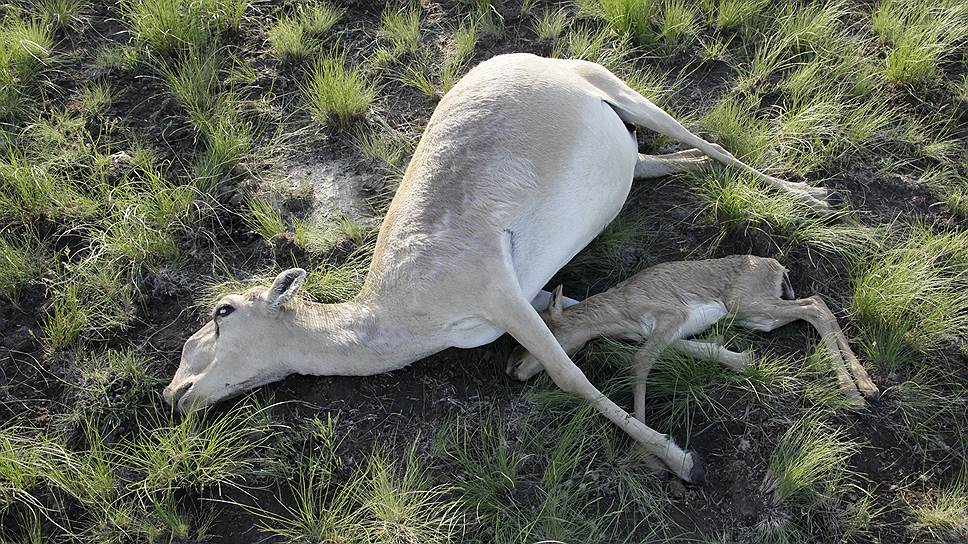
{"x":522,"y":164}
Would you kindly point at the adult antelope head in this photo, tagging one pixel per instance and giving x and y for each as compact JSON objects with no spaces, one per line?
{"x":239,"y":348}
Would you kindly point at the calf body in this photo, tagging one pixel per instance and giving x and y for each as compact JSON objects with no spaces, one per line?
{"x":666,"y":304}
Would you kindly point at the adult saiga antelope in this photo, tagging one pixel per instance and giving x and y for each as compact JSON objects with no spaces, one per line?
{"x":522,"y":164}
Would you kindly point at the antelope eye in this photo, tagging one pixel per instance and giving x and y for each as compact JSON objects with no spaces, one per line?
{"x":224,"y":310}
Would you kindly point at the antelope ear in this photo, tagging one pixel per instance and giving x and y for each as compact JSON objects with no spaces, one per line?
{"x":557,"y":303}
{"x":284,"y":288}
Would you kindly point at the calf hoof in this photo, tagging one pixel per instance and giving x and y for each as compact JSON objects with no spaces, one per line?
{"x":523,"y":370}
{"x":873,"y":397}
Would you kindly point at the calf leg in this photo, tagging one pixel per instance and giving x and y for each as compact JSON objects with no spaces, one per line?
{"x":766,"y":315}
{"x":666,"y":332}
{"x":713,"y":351}
{"x":859,"y":373}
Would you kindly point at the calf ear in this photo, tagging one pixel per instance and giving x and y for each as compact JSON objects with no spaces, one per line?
{"x":557,"y":303}
{"x":284,"y":288}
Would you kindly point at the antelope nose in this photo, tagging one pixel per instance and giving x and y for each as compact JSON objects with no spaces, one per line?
{"x":174,"y":393}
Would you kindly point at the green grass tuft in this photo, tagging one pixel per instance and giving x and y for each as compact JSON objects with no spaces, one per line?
{"x":20,"y":265}
{"x":60,"y":13}
{"x":741,"y":15}
{"x":911,"y":297}
{"x":294,"y":37}
{"x":733,"y":122}
{"x":401,"y":28}
{"x":943,"y":514}
{"x":174,"y":25}
{"x":920,"y":35}
{"x":809,"y":464}
{"x":551,"y":24}
{"x":264,"y":219}
{"x":630,"y":18}
{"x":25,"y":47}
{"x":678,"y":25}
{"x":738,"y":203}
{"x":199,"y":450}
{"x":337,"y":93}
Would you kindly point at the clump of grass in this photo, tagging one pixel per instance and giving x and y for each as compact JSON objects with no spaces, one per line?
{"x":616,"y":253}
{"x":921,"y":407}
{"x":596,"y":45}
{"x":335,"y":92}
{"x":320,"y":512}
{"x":739,"y":203}
{"x":148,"y":213}
{"x":550,"y":25}
{"x":112,"y":387}
{"x":943,"y":514}
{"x":813,"y":26}
{"x":809,"y":464}
{"x":228,"y":136}
{"x":199,"y":450}
{"x":828,"y":126}
{"x":491,"y":467}
{"x":264,"y":219}
{"x":630,"y":17}
{"x":91,"y":296}
{"x":194,"y":81}
{"x":321,"y":235}
{"x":435,"y":78}
{"x":21,"y":469}
{"x":287,"y":38}
{"x":678,"y":25}
{"x":67,"y":319}
{"x":654,"y":84}
{"x":172,"y":25}
{"x":217,"y":115}
{"x":20,"y":265}
{"x":294,"y":37}
{"x":402,"y":506}
{"x":739,"y":14}
{"x":487,"y":19}
{"x":60,"y":13}
{"x":330,"y":285}
{"x":25,"y":46}
{"x":920,"y":34}
{"x":388,"y":148}
{"x":387,"y":501}
{"x":94,"y":99}
{"x":401,"y":28}
{"x":736,"y":127}
{"x":910,"y":297}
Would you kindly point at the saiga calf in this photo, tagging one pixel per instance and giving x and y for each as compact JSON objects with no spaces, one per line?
{"x":669,"y":302}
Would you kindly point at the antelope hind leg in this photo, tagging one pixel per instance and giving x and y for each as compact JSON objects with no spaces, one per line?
{"x":654,"y":166}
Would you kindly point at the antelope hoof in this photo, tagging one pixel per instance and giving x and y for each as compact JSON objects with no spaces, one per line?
{"x":696,"y":472}
{"x":835,"y":199}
